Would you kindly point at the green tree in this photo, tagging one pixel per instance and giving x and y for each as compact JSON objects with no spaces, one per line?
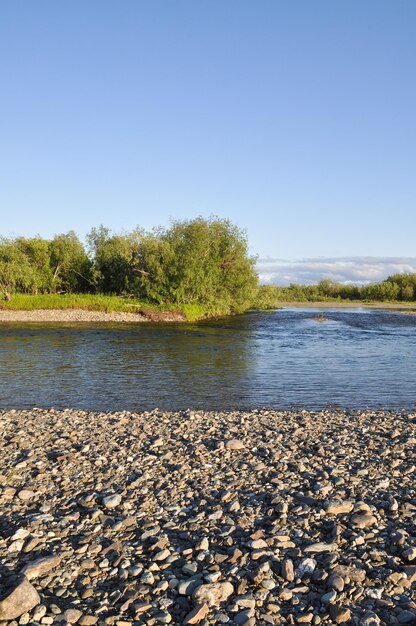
{"x":37,"y":253}
{"x":17,"y":273}
{"x":204,"y":261}
{"x":70,"y":264}
{"x":115,"y":260}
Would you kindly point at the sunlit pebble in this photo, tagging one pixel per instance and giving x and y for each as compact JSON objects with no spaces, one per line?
{"x":268,"y":513}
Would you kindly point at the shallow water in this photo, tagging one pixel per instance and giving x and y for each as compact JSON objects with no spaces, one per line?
{"x":281,"y":359}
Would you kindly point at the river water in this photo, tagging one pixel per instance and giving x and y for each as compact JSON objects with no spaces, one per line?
{"x":280,"y":359}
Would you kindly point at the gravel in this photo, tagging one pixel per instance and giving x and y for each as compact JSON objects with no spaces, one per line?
{"x":238,"y":518}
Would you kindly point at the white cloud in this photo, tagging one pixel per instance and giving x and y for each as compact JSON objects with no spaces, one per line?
{"x":356,"y":270}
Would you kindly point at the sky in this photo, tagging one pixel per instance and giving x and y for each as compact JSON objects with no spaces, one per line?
{"x":294,"y":119}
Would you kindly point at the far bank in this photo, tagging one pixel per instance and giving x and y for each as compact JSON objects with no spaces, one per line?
{"x":95,"y":308}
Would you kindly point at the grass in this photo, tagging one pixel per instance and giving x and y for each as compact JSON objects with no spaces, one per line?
{"x":105,"y":303}
{"x":88,"y":302}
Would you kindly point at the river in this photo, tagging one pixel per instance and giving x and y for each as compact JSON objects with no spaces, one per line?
{"x":282,"y":359}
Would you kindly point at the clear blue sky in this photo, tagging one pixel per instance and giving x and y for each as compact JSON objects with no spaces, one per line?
{"x":296,"y":119}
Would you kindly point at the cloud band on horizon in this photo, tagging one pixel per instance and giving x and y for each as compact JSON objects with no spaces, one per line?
{"x":346,"y":270}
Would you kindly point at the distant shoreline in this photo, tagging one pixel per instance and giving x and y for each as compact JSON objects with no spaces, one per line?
{"x":409,"y":307}
{"x":85,"y":316}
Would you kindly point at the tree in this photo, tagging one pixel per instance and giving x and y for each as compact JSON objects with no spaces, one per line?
{"x":17,"y":273}
{"x":69,"y":263}
{"x":198,"y":261}
{"x":37,"y":255}
{"x":115,"y":260}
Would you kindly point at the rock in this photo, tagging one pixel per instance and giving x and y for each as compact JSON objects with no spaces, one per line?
{"x":161,"y":556}
{"x":258,"y":544}
{"x":285,"y":595}
{"x":363,"y":520}
{"x":88,"y":620}
{"x":191,"y":513}
{"x":288,"y":570}
{"x":26,"y":494}
{"x":197,"y":614}
{"x":40,"y":566}
{"x":147,"y":578}
{"x":321,"y":547}
{"x":407,"y":617}
{"x":21,"y":599}
{"x":370,"y":619}
{"x":349,"y":573}
{"x":188,"y":586}
{"x":306,"y":567}
{"x":339,"y":614}
{"x":410,"y":572}
{"x":8,"y":493}
{"x":21,"y":533}
{"x":72,"y":615}
{"x":39,"y":612}
{"x":203,"y":544}
{"x":329,"y":598}
{"x":245,"y":602}
{"x":243,"y":618}
{"x":112,"y":501}
{"x":213,"y":594}
{"x":398,"y":537}
{"x":336,"y":507}
{"x":409,"y":554}
{"x":234,"y":444}
{"x":336,"y":582}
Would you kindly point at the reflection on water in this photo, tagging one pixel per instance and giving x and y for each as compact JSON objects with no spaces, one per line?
{"x":286,"y":358}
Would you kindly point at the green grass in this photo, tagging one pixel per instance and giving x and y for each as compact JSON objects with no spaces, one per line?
{"x":105,"y":303}
{"x":88,"y":302}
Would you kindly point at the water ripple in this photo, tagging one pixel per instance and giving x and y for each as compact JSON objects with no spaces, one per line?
{"x":284,"y":359}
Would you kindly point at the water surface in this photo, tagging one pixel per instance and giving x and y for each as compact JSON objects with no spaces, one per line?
{"x":281,"y":359}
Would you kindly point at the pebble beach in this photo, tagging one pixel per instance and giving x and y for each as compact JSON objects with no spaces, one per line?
{"x":239,"y":518}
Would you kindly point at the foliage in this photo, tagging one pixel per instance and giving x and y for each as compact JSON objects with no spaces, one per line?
{"x":114,"y":260}
{"x":194,"y":263}
{"x":397,"y":288}
{"x":201,"y":266}
{"x":198,"y":261}
{"x":70,"y":263}
{"x":35,"y":265}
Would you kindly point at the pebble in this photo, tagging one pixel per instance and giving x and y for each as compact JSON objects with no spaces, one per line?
{"x":41,"y":566}
{"x":26,"y":494}
{"x":234,"y":444}
{"x":288,"y":570}
{"x":335,"y":507}
{"x":112,"y":501}
{"x":197,"y":614}
{"x":339,"y":614}
{"x":72,"y":616}
{"x":213,"y":594}
{"x":133,"y":519}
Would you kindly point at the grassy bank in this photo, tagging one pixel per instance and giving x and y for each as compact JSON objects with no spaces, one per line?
{"x":335,"y":303}
{"x":105,"y":304}
{"x":191,"y":312}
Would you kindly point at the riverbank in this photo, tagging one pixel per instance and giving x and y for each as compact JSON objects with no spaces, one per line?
{"x":77,"y":315}
{"x":260,"y":517}
{"x":408,"y":307}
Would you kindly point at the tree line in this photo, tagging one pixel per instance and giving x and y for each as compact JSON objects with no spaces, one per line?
{"x":395,"y":288}
{"x":201,"y":261}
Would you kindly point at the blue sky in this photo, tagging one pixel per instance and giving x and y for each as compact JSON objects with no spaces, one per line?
{"x":295,"y":119}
